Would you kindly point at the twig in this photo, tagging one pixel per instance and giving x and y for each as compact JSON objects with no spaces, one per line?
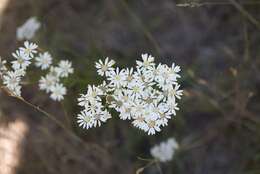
{"x":66,"y":115}
{"x":57,"y":122}
{"x":141,"y":169}
{"x":245,"y":13}
{"x":199,"y":4}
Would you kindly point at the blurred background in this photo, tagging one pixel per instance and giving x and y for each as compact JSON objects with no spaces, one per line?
{"x":217,"y":45}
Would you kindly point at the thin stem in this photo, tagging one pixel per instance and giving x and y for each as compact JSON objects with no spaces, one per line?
{"x":245,"y":13}
{"x":141,"y":169}
{"x":237,"y":5}
{"x":66,"y":115}
{"x":60,"y":124}
{"x":199,"y":4}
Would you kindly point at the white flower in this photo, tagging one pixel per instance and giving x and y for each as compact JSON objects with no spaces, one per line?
{"x":136,"y":88}
{"x":91,"y":99}
{"x":57,"y":92}
{"x":43,"y":60}
{"x":165,"y":150}
{"x":100,"y":116}
{"x":163,"y":76}
{"x":22,"y":60}
{"x":47,"y":82}
{"x":85,"y":119}
{"x":125,"y":112}
{"x":11,"y":79}
{"x":17,"y":91}
{"x":140,"y":123}
{"x":29,"y":49}
{"x":172,"y":105}
{"x":54,"y":71}
{"x":163,"y":114}
{"x":174,"y":92}
{"x":147,"y":62}
{"x":3,"y":68}
{"x":117,"y":78}
{"x":104,"y":67}
{"x":83,"y":100}
{"x":65,"y":68}
{"x":28,"y":29}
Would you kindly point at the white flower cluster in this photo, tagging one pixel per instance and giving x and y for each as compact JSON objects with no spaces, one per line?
{"x":23,"y":58}
{"x":165,"y":150}
{"x":147,"y":95}
{"x":28,"y":29}
{"x":51,"y":81}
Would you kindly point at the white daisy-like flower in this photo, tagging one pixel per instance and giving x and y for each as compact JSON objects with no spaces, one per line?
{"x":147,"y":62}
{"x":43,"y":60}
{"x":163,"y":114}
{"x":28,"y":29}
{"x":175,"y":92}
{"x":83,"y":100}
{"x":85,"y":119}
{"x":100,"y":116}
{"x":46,"y":83}
{"x":17,"y":91}
{"x":11,"y":79}
{"x":57,"y":92}
{"x":54,"y":71}
{"x":125,"y":112}
{"x":164,"y":152}
{"x":129,"y":74}
{"x":3,"y":67}
{"x":136,"y":88}
{"x":104,"y":67}
{"x":172,"y":105}
{"x":65,"y":68}
{"x":22,"y":60}
{"x":117,"y":78}
{"x":29,"y":49}
{"x":140,"y":123}
{"x":153,"y":126}
{"x":92,"y":96}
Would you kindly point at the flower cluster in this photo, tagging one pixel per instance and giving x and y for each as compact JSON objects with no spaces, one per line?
{"x":165,"y":150}
{"x":24,"y":56}
{"x":28,"y":29}
{"x":146,"y":95}
{"x":51,"y":81}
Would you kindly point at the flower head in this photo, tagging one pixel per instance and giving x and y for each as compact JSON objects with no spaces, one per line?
{"x":165,"y":150}
{"x":46,"y":83}
{"x":104,"y":67}
{"x":12,"y":80}
{"x":22,"y":60}
{"x":28,"y":29}
{"x":29,"y":49}
{"x":43,"y":60}
{"x":65,"y":68}
{"x":3,"y":68}
{"x":57,"y":92}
